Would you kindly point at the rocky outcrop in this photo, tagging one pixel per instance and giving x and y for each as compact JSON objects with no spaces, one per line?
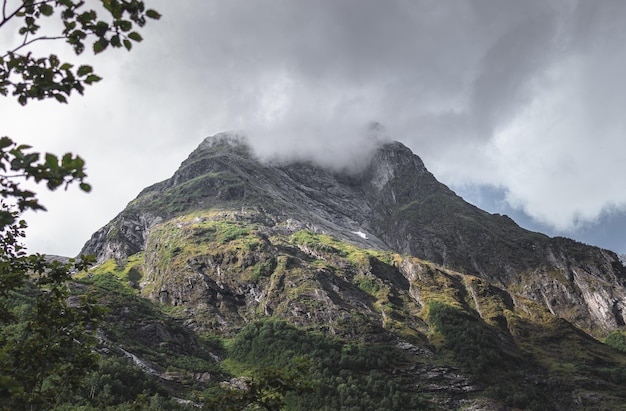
{"x":124,"y":236}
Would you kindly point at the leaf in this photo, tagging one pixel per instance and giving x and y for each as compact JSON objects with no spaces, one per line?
{"x":87,"y":17}
{"x":128,"y":44}
{"x":100,"y":45}
{"x":92,"y":78}
{"x":46,"y":9}
{"x":124,"y":25}
{"x":153,"y":14}
{"x":69,"y":25}
{"x":84,"y":70}
{"x":101,"y":29}
{"x":5,"y":142}
{"x":52,"y":161}
{"x":85,"y":187}
{"x":54,"y":60}
{"x":60,"y":98}
{"x":115,"y":41}
{"x":67,"y":160}
{"x":66,"y":66}
{"x":135,"y":36}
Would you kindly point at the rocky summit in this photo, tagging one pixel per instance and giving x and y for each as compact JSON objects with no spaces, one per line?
{"x":398,"y":292}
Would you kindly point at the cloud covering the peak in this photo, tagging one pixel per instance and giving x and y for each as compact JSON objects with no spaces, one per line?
{"x":521,"y":95}
{"x":526,"y":96}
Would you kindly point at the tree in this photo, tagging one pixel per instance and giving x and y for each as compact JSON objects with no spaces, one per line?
{"x":266,"y":389}
{"x":46,"y":340}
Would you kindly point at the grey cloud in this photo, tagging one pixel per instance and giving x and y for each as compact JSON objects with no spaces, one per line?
{"x":523,"y":95}
{"x":504,"y":81}
{"x":471,"y":86}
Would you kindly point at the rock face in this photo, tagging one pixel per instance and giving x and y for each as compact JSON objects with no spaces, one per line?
{"x":393,"y":204}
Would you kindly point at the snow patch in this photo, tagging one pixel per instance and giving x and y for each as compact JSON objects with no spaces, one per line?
{"x":360,"y":234}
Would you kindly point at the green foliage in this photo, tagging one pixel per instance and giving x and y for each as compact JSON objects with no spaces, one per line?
{"x":119,"y":385}
{"x":143,"y":328}
{"x":368,"y":283}
{"x":264,"y":269}
{"x":232,"y":232}
{"x":18,"y":162}
{"x":116,"y":381}
{"x":204,"y":237}
{"x":617,"y":340}
{"x":318,"y":242}
{"x":29,"y":77}
{"x":112,"y":275}
{"x":46,"y":341}
{"x":342,"y":375}
{"x":265,"y":390}
{"x":473,"y":345}
{"x":109,"y":282}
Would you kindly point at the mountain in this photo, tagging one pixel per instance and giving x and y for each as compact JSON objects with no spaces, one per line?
{"x":468,"y":308}
{"x":394,"y":204}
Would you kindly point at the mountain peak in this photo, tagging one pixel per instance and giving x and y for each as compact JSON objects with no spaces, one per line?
{"x":394,"y":161}
{"x":227,"y":138}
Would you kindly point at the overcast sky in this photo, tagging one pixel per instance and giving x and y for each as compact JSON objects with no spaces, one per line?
{"x":516,"y":105}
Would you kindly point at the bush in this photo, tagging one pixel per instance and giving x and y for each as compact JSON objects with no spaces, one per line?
{"x":617,"y":340}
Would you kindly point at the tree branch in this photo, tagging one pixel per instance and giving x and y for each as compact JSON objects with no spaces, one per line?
{"x":29,"y":42}
{"x":6,"y":19}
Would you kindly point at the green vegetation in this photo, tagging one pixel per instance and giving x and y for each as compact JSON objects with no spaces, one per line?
{"x":114,"y":277}
{"x":283,"y":365}
{"x":114,"y":25}
{"x":322,"y":329}
{"x":368,"y":283}
{"x":198,"y":193}
{"x":473,"y":344}
{"x":332,"y":248}
{"x":117,"y":382}
{"x":133,"y":325}
{"x":129,"y":271}
{"x":206,"y":238}
{"x":45,"y":341}
{"x":264,"y":390}
{"x":617,"y":340}
{"x":471,"y":326}
{"x":342,"y":375}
